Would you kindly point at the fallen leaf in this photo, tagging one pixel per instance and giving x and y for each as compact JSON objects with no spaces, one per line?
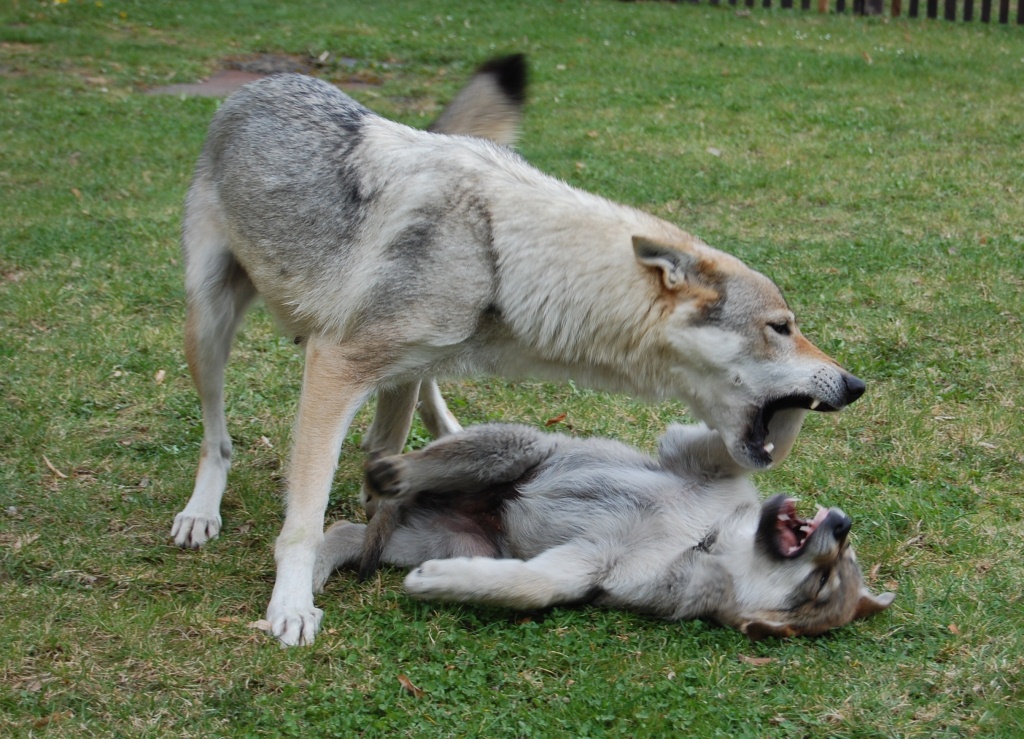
{"x":756,"y":661}
{"x":24,"y":541}
{"x":228,"y":620}
{"x":407,"y":685}
{"x":954,"y":629}
{"x":76,"y":192}
{"x":159,"y":377}
{"x":53,"y":718}
{"x":867,"y":58}
{"x":262,"y":625}
{"x":557,"y":419}
{"x":54,"y":470}
{"x":714,"y":152}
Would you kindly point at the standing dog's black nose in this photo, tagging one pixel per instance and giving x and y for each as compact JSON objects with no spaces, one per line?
{"x":854,"y":387}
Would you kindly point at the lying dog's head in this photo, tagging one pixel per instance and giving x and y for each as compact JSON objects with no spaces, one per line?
{"x":742,"y":364}
{"x":805,"y":579}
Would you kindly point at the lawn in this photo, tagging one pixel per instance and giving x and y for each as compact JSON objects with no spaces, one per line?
{"x":872,"y":167}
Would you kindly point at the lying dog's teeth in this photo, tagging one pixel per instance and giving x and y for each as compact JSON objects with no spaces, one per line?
{"x":769,"y":447}
{"x":793,"y":549}
{"x":815,"y":403}
{"x":805,"y":528}
{"x":783,"y":516}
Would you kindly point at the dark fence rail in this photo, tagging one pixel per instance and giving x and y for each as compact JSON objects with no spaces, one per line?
{"x":986,"y":11}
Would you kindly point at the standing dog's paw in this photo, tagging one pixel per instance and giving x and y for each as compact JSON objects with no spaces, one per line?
{"x":385,"y":476}
{"x":191,"y":532}
{"x":294,"y":627}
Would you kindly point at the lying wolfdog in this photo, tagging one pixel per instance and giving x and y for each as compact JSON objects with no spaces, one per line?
{"x":511,"y":516}
{"x":395,"y":256}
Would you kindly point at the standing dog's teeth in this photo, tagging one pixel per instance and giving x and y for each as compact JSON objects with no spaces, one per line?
{"x":815,"y":403}
{"x":769,"y":447}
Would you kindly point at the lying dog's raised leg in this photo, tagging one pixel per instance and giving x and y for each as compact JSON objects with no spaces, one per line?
{"x":478,"y":457}
{"x":218,"y":293}
{"x":563,"y":574}
{"x":331,"y":395}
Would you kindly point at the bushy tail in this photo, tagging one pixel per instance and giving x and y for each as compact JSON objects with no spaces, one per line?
{"x":490,"y":106}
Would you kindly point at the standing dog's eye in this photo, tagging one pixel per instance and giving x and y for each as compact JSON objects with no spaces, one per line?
{"x":781,"y":328}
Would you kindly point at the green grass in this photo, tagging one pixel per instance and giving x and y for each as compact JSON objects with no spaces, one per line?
{"x":872,"y":168}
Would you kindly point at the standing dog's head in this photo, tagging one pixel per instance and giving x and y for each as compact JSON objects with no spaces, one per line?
{"x":743,"y":365}
{"x":804,"y":578}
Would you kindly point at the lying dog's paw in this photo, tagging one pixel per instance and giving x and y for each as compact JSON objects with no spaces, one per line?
{"x":384,"y":476}
{"x":461,"y":579}
{"x":438,"y":578}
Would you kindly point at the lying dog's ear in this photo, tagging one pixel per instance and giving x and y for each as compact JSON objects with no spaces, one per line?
{"x":759,"y":629}
{"x":870,"y":604}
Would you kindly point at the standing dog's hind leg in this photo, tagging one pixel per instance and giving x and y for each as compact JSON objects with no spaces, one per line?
{"x":392,"y":420}
{"x":334,"y":386}
{"x":434,"y":412}
{"x":387,"y":435}
{"x":218,"y":294}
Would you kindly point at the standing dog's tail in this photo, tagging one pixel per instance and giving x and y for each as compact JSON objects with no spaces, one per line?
{"x":490,"y":106}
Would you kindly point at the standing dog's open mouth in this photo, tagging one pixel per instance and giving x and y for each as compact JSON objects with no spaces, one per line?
{"x":835,"y":396}
{"x":758,"y":446}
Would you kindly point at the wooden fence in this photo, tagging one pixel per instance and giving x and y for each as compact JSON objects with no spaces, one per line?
{"x":986,"y":11}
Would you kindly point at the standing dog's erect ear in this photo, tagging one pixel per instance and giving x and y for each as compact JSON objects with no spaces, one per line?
{"x":672,"y":261}
{"x":870,"y":604}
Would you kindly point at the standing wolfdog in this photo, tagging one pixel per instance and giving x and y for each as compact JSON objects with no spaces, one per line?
{"x":395,"y":255}
{"x":508,"y":515}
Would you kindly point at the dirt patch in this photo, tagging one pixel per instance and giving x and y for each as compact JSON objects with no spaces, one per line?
{"x":238,"y":71}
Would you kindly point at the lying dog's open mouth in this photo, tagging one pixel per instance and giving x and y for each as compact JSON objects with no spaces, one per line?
{"x":781,"y":531}
{"x":791,"y":531}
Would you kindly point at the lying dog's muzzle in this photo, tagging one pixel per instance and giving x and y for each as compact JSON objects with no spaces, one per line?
{"x":782,"y":534}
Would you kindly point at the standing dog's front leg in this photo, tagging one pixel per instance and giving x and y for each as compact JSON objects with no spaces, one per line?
{"x":333,"y":388}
